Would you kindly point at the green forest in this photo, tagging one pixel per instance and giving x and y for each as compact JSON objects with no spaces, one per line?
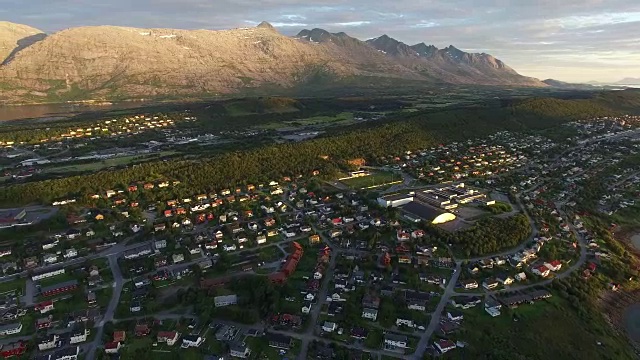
{"x":327,"y":154}
{"x":487,"y":236}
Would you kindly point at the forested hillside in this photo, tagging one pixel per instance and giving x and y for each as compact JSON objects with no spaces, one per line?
{"x":329,"y":153}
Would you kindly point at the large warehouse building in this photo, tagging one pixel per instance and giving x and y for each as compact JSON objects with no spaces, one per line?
{"x":417,"y":211}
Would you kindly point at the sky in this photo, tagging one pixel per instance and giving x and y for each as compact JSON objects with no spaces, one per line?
{"x":569,"y":40}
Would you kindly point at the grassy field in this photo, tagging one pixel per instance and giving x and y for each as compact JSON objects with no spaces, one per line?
{"x":56,"y":279}
{"x":375,"y":179}
{"x":99,"y":165}
{"x":547,"y":329}
{"x":344,"y":118}
{"x":14,"y":285}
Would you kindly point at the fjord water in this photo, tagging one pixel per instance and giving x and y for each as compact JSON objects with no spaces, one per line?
{"x":45,"y":112}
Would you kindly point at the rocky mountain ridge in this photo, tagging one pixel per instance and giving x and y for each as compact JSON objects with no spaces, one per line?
{"x":114,"y":63}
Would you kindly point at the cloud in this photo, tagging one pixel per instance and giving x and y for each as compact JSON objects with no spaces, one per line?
{"x":568,"y":39}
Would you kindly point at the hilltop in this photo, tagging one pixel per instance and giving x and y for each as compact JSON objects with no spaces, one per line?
{"x":116,"y":63}
{"x":14,"y":37}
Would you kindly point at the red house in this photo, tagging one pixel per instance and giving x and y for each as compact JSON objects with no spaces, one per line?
{"x":44,"y":307}
{"x":44,"y":323}
{"x":59,"y":288}
{"x":13,"y":349}
{"x":168,"y":213}
{"x":133,"y":188}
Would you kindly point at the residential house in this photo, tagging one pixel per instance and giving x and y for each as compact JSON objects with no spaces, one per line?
{"x":469,"y":284}
{"x":448,"y":327}
{"x":465,"y":302}
{"x":50,"y":258}
{"x":225,"y":300}
{"x":48,"y":342}
{"x":177,"y":258}
{"x":505,"y":279}
{"x":453,"y":315}
{"x":314,"y":239}
{"x":405,"y":322}
{"x":44,"y":307}
{"x":329,"y":326}
{"x":306,"y":307}
{"x":59,"y":288}
{"x":521,"y":276}
{"x":10,"y":329}
{"x":79,"y":335}
{"x":239,"y":350}
{"x":490,"y":284}
{"x":17,"y":349}
{"x":142,"y":330}
{"x":541,"y":270}
{"x":393,"y":341}
{"x":359,"y":333}
{"x":191,"y":341}
{"x":279,"y":341}
{"x":44,"y":323}
{"x":70,"y":253}
{"x":492,"y":307}
{"x":168,"y":337}
{"x":112,"y":347}
{"x":261,"y":239}
{"x":371,"y":301}
{"x":160,"y":244}
{"x":370,"y":314}
{"x":554,"y":265}
{"x":119,"y":336}
{"x":444,"y":345}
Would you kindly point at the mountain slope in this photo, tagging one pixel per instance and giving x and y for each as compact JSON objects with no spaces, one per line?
{"x":628,"y":81}
{"x":450,"y":64}
{"x":349,"y":49}
{"x":109,"y":62}
{"x":565,"y":85}
{"x":15,"y":36}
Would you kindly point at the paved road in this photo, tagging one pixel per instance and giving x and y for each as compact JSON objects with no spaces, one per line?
{"x":322,"y":298}
{"x":435,"y":317}
{"x":118,"y":283}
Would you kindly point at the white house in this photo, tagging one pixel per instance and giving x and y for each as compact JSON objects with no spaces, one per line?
{"x":160,"y":244}
{"x":48,"y":343}
{"x":261,"y":239}
{"x":225,"y":300}
{"x":48,"y":274}
{"x":112,"y":347}
{"x":10,"y":329}
{"x":541,"y":270}
{"x":329,"y":326}
{"x":191,"y":341}
{"x":405,"y":322}
{"x":177,"y":258}
{"x":370,"y":314}
{"x":70,"y":253}
{"x":50,"y":258}
{"x":555,"y":265}
{"x":469,"y":284}
{"x":80,"y":336}
{"x":395,"y":341}
{"x":306,"y":308}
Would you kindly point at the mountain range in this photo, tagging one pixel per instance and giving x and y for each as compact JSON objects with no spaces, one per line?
{"x":625,"y":81}
{"x":113,"y":63}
